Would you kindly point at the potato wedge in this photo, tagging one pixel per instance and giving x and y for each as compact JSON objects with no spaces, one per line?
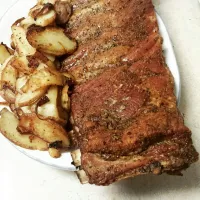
{"x":54,"y":153}
{"x":21,"y":81}
{"x":4,"y":53}
{"x":20,"y":63}
{"x":28,"y":21}
{"x":50,"y":57}
{"x":28,"y":64}
{"x":65,"y":101}
{"x":8,"y":95}
{"x":6,"y":62}
{"x":9,"y":77}
{"x":21,"y":44}
{"x":29,"y":98}
{"x":46,"y":19}
{"x":8,"y":127}
{"x":47,"y":130}
{"x":50,"y":110}
{"x":50,"y":40}
{"x":43,"y":20}
{"x":43,"y":77}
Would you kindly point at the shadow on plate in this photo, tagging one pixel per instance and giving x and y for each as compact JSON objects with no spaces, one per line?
{"x":148,"y":185}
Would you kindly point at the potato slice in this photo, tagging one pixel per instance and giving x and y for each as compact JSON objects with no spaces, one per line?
{"x":65,"y":101}
{"x":54,"y":153}
{"x":50,"y":40}
{"x":9,"y":77}
{"x":28,"y":64}
{"x":46,"y":19}
{"x":43,"y":77}
{"x":29,"y":98}
{"x":43,"y":20}
{"x":50,"y":110}
{"x":28,"y":21}
{"x":6,"y":62}
{"x":4,"y":53}
{"x":21,"y":64}
{"x":48,"y":130}
{"x":21,"y":44}
{"x":50,"y":57}
{"x":8,"y":95}
{"x":8,"y":127}
{"x":20,"y":83}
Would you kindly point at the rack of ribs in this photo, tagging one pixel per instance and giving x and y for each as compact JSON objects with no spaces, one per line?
{"x":123,"y":108}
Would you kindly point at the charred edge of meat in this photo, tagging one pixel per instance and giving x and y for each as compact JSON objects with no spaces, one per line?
{"x":155,"y":168}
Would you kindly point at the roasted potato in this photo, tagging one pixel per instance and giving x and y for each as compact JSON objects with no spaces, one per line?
{"x":50,"y":57}
{"x":43,"y":77}
{"x":65,"y":101}
{"x":28,"y":64}
{"x":50,"y":109}
{"x":4,"y":53}
{"x":23,"y":48}
{"x":8,"y":127}
{"x":9,"y":77}
{"x":25,"y":23}
{"x":40,"y":15}
{"x":48,"y":130}
{"x":8,"y":95}
{"x":50,"y":40}
{"x":2,"y":67}
{"x":31,"y":83}
{"x":29,"y":98}
{"x":21,"y":81}
{"x":54,"y":153}
{"x":20,"y":63}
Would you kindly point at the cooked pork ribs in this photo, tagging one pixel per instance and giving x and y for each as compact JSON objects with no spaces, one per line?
{"x":123,"y":106}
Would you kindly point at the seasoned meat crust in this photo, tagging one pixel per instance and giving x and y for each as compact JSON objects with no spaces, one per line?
{"x":123,"y":106}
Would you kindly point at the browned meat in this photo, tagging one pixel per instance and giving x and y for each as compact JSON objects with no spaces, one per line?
{"x":123,"y":107}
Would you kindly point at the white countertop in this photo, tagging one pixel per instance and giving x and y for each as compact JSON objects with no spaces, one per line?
{"x":24,"y":179}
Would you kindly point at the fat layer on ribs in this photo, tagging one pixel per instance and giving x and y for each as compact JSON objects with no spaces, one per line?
{"x":123,"y":106}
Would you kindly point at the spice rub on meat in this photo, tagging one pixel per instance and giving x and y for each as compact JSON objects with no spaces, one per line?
{"x":123,"y":106}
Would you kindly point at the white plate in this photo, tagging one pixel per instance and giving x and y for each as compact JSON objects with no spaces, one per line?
{"x":20,"y":9}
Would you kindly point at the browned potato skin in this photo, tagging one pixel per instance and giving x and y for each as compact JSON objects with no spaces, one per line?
{"x":8,"y":95}
{"x":35,"y":13}
{"x":5,"y":53}
{"x":8,"y":125}
{"x":50,"y":77}
{"x":35,"y":33}
{"x":29,"y":98}
{"x":54,"y":153}
{"x":48,"y":130}
{"x":63,"y":12}
{"x":9,"y":78}
{"x":21,"y":64}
